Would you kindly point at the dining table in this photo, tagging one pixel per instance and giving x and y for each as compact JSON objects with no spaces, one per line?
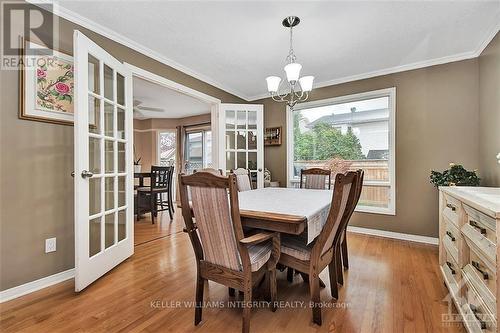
{"x":286,"y":210}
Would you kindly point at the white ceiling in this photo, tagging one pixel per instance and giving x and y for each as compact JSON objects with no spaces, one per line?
{"x":174,"y":103}
{"x":235,"y":45}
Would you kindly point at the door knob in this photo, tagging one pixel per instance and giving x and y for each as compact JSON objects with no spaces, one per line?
{"x":259,"y":169}
{"x":86,"y":174}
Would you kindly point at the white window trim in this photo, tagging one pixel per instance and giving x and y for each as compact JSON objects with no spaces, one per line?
{"x":391,"y":92}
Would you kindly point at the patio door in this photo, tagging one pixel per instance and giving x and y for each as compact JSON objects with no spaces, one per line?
{"x":241,"y":139}
{"x":103,"y":162}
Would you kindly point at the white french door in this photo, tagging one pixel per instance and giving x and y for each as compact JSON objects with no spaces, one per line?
{"x":103,"y":162}
{"x":241,"y":139}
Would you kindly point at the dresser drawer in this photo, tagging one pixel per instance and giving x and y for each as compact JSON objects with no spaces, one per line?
{"x":451,"y":209}
{"x":451,"y":272}
{"x":477,"y":316}
{"x":484,"y":224}
{"x":478,"y":242}
{"x":452,"y":234}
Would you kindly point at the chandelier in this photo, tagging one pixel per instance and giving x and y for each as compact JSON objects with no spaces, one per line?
{"x":298,"y":87}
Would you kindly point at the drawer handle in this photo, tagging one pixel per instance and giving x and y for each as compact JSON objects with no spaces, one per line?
{"x":477,"y":266}
{"x":450,"y":266}
{"x":449,"y":234}
{"x":476,"y":313}
{"x":450,"y":206}
{"x":477,"y":226}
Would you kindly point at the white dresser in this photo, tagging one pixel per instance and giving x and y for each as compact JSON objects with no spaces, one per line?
{"x":468,"y":252}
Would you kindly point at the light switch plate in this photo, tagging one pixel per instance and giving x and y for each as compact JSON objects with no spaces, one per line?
{"x":50,"y":245}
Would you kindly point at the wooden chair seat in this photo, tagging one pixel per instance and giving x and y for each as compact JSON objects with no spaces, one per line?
{"x":296,"y":247}
{"x":259,"y":254}
{"x":155,"y":190}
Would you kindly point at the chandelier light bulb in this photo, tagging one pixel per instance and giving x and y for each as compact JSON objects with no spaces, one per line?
{"x":306,"y":83}
{"x":293,"y":72}
{"x":273,"y":83}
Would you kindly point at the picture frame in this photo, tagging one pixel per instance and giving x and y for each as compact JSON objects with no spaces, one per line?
{"x":272,"y":136}
{"x":46,"y":87}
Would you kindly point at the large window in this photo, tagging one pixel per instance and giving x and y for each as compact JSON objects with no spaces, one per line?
{"x":348,"y":133}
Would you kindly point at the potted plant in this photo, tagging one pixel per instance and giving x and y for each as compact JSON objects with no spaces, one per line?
{"x":137,"y":165}
{"x":456,"y":175}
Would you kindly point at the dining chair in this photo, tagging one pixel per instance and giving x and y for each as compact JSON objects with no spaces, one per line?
{"x":161,"y":182}
{"x":243,"y":179}
{"x":223,"y":254}
{"x":345,"y":255}
{"x":315,"y":178}
{"x":211,"y":170}
{"x":325,"y":250}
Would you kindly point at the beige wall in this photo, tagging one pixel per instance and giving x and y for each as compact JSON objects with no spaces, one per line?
{"x":146,"y":134}
{"x":436,"y":123}
{"x":489,"y":113}
{"x":36,"y":191}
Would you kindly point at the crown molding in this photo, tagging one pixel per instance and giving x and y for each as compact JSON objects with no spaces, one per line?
{"x":119,"y":38}
{"x":111,"y":34}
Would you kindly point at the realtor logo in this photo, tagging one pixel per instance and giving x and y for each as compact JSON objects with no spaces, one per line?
{"x":22,"y":21}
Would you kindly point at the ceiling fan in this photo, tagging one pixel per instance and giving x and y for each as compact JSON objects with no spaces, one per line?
{"x":138,"y":108}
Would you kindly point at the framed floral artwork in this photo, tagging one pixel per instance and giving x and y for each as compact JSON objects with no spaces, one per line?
{"x":47,"y":87}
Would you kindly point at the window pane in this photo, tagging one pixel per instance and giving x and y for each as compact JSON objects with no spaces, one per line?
{"x":241,"y":140}
{"x":242,"y":160}
{"x":93,"y":71}
{"x":208,"y":149}
{"x":108,"y":119}
{"x":121,"y":191}
{"x":95,"y":155}
{"x":194,"y":151}
{"x":94,"y":195}
{"x":94,"y":115}
{"x":94,"y":236}
{"x":121,"y":157}
{"x":109,"y":156}
{"x":230,"y":162}
{"x":167,"y":148}
{"x":252,"y":139}
{"x":347,"y":136}
{"x":108,"y":82}
{"x":120,"y":89}
{"x":230,"y":119}
{"x":252,"y":119}
{"x":122,"y":222}
{"x":375,"y":196}
{"x":109,"y":230}
{"x":109,"y":193}
{"x":241,"y":120}
{"x":252,"y":161}
{"x":120,"y":119}
{"x":230,"y":141}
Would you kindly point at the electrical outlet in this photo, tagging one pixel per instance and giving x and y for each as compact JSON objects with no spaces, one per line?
{"x":50,"y":245}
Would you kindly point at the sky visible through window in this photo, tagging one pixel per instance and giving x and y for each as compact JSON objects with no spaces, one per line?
{"x":365,"y":105}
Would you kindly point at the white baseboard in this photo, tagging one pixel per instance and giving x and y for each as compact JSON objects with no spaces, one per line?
{"x":15,"y":292}
{"x":394,"y":235}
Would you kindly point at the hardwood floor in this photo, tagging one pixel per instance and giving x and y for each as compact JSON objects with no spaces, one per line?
{"x":391,"y":286}
{"x":145,"y":231}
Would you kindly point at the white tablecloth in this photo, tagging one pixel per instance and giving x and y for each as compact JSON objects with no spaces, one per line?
{"x":313,"y":204}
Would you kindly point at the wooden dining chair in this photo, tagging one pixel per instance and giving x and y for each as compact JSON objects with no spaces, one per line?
{"x":223,"y":254}
{"x":161,"y":182}
{"x":210,"y":170}
{"x":315,"y":178}
{"x":345,"y":255}
{"x":243,"y":179}
{"x":325,"y":250}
